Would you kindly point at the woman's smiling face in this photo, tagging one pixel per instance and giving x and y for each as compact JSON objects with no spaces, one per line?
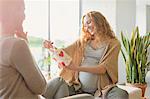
{"x":88,"y":24}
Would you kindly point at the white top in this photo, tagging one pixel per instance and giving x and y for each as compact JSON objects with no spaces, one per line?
{"x":91,"y":58}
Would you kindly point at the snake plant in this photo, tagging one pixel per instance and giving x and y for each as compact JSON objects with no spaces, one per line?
{"x":135,"y":54}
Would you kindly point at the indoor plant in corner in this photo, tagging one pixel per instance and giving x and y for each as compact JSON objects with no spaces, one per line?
{"x":135,"y":57}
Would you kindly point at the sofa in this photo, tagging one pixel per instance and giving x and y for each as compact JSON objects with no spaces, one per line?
{"x":134,"y":93}
{"x":147,"y":78}
{"x":147,"y":92}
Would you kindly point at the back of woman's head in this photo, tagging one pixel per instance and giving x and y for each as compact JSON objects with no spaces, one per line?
{"x":10,"y":8}
{"x":11,"y":12}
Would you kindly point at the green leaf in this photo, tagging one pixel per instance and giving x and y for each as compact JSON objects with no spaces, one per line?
{"x":147,"y":64}
{"x":135,"y":55}
{"x":123,"y":40}
{"x":123,"y":55}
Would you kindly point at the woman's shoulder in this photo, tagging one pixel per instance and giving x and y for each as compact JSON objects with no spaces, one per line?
{"x":114,"y":42}
{"x":20,"y":42}
{"x":15,"y":43}
{"x":17,"y":40}
{"x":11,"y":41}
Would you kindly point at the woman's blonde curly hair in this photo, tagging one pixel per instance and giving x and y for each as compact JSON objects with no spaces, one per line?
{"x":102,"y":25}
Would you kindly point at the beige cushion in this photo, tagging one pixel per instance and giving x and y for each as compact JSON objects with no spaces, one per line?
{"x":147,"y":92}
{"x":134,"y":93}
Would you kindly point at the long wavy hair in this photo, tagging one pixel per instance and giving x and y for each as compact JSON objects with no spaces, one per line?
{"x":101,"y":24}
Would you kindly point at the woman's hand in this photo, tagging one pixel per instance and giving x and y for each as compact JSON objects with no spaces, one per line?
{"x":22,"y":35}
{"x":71,"y":66}
{"x":48,"y":44}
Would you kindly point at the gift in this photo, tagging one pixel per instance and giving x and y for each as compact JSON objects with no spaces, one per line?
{"x":60,"y":56}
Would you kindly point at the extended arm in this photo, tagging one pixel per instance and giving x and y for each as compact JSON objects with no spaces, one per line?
{"x":99,"y":69}
{"x":92,"y":69}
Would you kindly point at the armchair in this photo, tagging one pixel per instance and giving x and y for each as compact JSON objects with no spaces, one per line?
{"x":147,"y":92}
{"x":147,"y":78}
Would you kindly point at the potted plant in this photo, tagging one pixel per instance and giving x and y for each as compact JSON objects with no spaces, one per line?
{"x":135,"y":57}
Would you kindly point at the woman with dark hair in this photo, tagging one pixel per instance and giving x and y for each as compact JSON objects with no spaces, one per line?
{"x":94,"y":66}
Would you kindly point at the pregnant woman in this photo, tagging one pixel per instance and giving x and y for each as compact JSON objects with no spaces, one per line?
{"x":94,"y":66}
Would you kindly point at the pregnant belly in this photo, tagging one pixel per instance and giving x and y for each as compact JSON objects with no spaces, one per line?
{"x":89,"y":81}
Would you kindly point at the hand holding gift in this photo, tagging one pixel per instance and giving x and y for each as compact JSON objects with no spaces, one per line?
{"x":59,"y":55}
{"x":49,"y":45}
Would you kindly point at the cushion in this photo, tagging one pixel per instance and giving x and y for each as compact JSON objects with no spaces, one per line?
{"x":134,"y":93}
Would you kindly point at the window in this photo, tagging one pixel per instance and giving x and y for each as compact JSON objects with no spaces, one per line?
{"x":64,"y":24}
{"x":36,"y":24}
{"x":63,"y":29}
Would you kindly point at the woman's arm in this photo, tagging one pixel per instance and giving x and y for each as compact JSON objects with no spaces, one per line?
{"x":92,"y":69}
{"x":24,"y":63}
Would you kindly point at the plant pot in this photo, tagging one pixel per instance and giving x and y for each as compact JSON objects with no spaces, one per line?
{"x":141,"y":86}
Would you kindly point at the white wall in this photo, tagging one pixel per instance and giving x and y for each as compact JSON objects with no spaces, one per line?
{"x":64,"y":20}
{"x":125,"y":21}
{"x":125,"y":16}
{"x":141,"y":16}
{"x":148,"y":2}
{"x":148,"y":18}
{"x":106,"y":7}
